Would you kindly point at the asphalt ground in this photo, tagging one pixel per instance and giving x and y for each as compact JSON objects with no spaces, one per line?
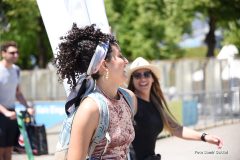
{"x":174,"y":148}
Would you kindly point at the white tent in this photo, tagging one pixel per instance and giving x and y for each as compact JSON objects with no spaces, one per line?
{"x":228,"y":53}
{"x":59,"y":15}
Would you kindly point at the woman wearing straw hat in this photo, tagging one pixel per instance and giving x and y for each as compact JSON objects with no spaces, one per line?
{"x":153,"y":114}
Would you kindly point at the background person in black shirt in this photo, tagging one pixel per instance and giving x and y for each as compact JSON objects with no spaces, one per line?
{"x":153,"y":114}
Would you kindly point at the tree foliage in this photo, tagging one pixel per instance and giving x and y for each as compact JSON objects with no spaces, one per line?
{"x":152,"y":29}
{"x":220,"y":14}
{"x":21,"y":21}
{"x":232,"y":34}
{"x":145,"y":28}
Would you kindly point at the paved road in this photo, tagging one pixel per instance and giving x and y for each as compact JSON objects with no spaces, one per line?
{"x":174,"y":148}
{"x":177,"y":149}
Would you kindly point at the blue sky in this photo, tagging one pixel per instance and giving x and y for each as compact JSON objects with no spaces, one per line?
{"x":200,"y":29}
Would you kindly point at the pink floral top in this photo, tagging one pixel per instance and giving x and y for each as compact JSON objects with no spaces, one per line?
{"x":120,"y":129}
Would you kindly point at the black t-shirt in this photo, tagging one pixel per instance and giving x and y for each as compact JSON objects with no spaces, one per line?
{"x":148,"y":126}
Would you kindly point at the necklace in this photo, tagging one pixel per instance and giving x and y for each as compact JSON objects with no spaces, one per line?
{"x":114,"y":102}
{"x":108,"y":97}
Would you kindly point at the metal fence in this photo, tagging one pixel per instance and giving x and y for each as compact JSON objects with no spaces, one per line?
{"x":200,"y":91}
{"x":206,"y":109}
{"x":42,"y":85}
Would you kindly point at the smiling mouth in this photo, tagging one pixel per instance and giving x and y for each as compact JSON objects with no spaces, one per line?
{"x":143,"y":84}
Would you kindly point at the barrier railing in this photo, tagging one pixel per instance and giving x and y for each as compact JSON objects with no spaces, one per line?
{"x":206,"y":109}
{"x":200,"y":92}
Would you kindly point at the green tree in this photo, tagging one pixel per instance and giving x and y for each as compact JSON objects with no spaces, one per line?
{"x":21,"y":21}
{"x":143,"y":28}
{"x":220,"y":14}
{"x":154,"y":28}
{"x":232,"y":34}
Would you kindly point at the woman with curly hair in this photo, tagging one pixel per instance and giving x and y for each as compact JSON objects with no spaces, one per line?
{"x":91,"y":61}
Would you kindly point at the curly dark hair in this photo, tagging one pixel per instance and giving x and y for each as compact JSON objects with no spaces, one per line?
{"x":76,"y":51}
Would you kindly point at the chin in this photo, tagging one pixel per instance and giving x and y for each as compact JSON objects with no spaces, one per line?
{"x":122,"y":80}
{"x":125,"y":78}
{"x":144,"y":88}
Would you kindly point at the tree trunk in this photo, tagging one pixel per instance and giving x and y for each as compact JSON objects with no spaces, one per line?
{"x":210,"y":39}
{"x":42,"y":58}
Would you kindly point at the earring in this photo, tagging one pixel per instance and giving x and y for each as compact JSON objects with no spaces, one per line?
{"x":106,"y":76}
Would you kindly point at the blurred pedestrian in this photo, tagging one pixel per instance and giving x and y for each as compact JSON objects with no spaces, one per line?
{"x":153,"y":113}
{"x":9,"y":92}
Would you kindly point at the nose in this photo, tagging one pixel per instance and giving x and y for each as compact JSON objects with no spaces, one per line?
{"x":143,"y":78}
{"x":16,"y":55}
{"x":126,"y":61}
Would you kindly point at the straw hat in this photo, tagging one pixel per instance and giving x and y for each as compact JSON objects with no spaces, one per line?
{"x":141,"y":63}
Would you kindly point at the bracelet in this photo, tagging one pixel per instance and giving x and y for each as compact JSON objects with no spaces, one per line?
{"x":203,"y":137}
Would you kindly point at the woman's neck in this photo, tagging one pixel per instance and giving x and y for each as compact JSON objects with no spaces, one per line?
{"x":110,"y":90}
{"x":143,"y":95}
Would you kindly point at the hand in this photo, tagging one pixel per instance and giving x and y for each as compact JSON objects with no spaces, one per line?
{"x":214,"y":140}
{"x":11,"y":115}
{"x":31,"y":110}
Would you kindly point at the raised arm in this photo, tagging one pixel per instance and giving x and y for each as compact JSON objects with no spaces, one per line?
{"x":190,"y":134}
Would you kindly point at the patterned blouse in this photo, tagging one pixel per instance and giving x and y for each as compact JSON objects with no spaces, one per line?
{"x":120,"y":129}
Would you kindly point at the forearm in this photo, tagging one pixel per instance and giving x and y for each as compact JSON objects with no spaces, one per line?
{"x":7,"y":113}
{"x":21,"y":99}
{"x":3,"y":109}
{"x":188,"y":134}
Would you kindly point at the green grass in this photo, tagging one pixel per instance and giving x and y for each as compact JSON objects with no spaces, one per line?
{"x":198,"y":52}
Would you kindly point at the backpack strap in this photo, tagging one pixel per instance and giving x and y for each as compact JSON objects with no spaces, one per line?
{"x":18,"y":73}
{"x":128,"y":99}
{"x":103,"y":123}
{"x":101,"y":130}
{"x":17,"y":70}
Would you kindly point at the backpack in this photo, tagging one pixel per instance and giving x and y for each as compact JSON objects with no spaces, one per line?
{"x":17,"y":70}
{"x":101,"y":131}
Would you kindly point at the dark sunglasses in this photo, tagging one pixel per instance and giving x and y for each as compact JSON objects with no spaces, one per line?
{"x":139,"y":75}
{"x":12,"y":53}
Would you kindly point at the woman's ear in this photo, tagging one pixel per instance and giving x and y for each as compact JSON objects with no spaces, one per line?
{"x":103,"y":66}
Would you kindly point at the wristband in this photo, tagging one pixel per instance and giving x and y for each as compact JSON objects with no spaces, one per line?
{"x":203,"y":137}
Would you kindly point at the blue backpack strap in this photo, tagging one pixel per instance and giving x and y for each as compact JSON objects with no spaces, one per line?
{"x":101,"y":131}
{"x":102,"y":128}
{"x":128,"y":99}
{"x":17,"y":70}
{"x":103,"y":124}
